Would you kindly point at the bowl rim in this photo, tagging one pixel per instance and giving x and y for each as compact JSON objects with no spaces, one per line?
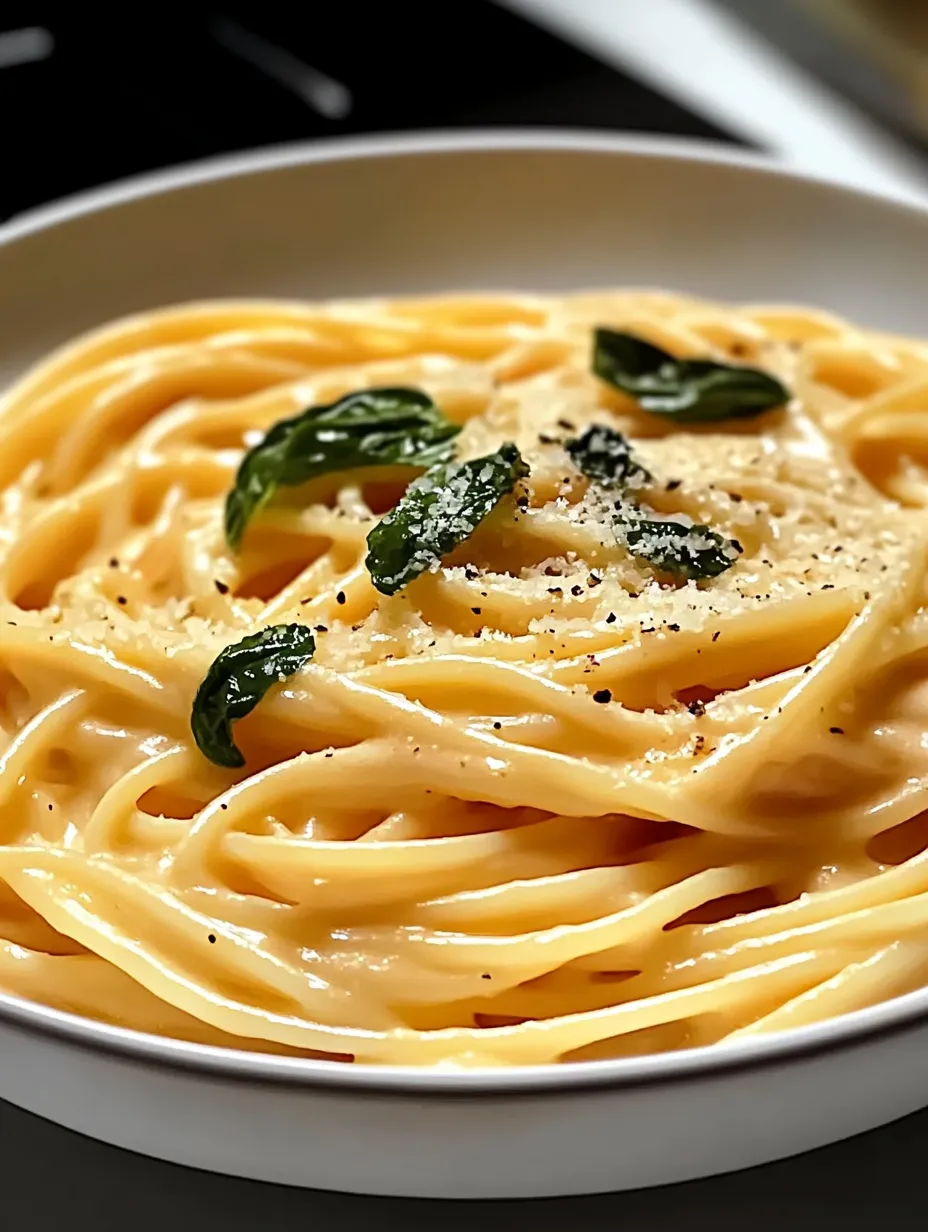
{"x":463,"y":140}
{"x":856,"y":1029}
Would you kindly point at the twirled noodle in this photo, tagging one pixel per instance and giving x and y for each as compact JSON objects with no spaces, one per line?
{"x":442,"y":849}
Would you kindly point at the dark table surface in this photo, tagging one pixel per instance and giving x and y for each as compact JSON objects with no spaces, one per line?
{"x":205,"y":78}
{"x":52,"y":1178}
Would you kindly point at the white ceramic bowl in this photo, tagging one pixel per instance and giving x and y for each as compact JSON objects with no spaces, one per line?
{"x":538,"y":211}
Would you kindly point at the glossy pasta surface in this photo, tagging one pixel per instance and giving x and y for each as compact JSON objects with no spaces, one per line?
{"x":545,"y":802}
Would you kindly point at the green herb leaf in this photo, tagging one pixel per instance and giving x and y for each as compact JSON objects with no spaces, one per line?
{"x":373,"y":427}
{"x":237,"y":680}
{"x":682,"y":550}
{"x":686,"y":390}
{"x":605,"y":456}
{"x":437,"y":512}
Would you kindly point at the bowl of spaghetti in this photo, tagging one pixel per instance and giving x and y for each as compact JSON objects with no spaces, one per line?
{"x":464,"y":664}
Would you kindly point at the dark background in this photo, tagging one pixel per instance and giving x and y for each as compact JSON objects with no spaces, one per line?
{"x":157,"y":85}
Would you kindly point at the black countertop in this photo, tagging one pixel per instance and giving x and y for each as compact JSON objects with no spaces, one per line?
{"x":99,"y":93}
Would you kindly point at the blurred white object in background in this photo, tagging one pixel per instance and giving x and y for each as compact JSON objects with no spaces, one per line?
{"x":708,"y":60}
{"x":25,"y":46}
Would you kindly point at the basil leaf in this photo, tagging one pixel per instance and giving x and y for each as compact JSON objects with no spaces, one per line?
{"x":373,"y":427}
{"x":237,"y":680}
{"x":686,"y":390}
{"x":437,"y":512}
{"x":694,"y":551}
{"x":685,"y":551}
{"x":605,"y":456}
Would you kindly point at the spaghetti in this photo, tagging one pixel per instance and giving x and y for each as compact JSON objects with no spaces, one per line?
{"x":545,"y":800}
